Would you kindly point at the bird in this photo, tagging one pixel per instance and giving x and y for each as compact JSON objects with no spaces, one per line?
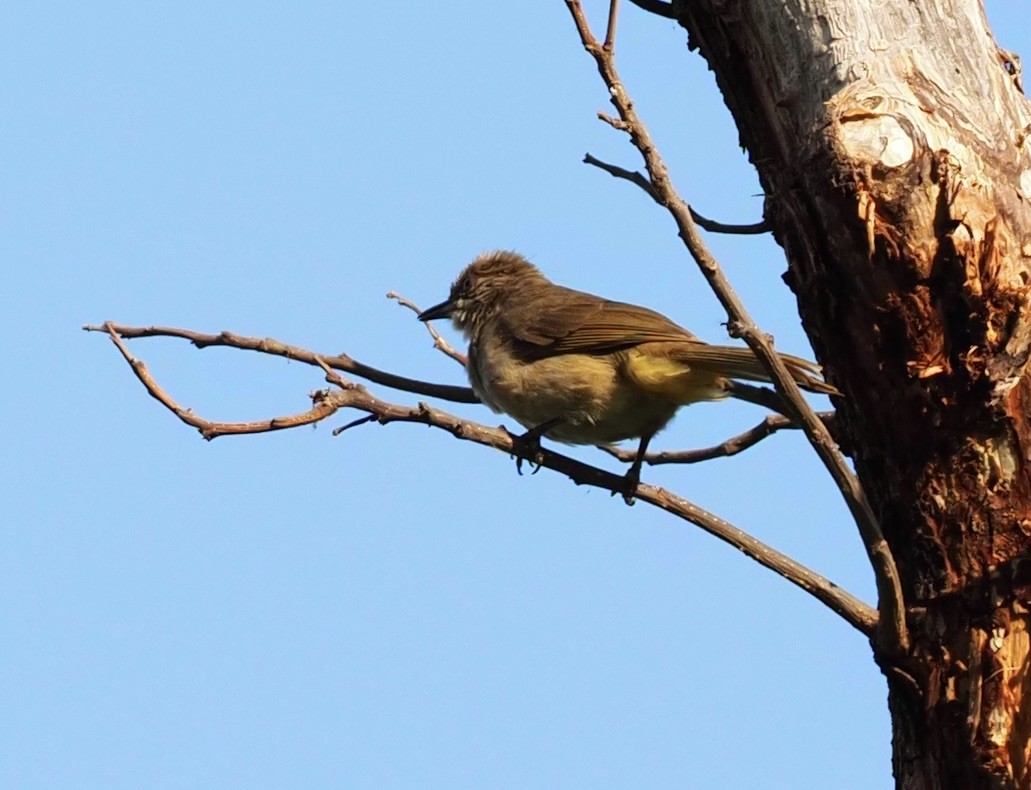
{"x":581,"y":369}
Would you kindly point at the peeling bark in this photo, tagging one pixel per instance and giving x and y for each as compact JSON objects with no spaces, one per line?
{"x":892,"y":140}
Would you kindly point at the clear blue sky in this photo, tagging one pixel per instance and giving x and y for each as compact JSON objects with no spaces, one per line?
{"x":390,"y":608}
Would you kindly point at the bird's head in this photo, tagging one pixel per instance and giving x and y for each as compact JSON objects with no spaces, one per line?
{"x":481,"y":288}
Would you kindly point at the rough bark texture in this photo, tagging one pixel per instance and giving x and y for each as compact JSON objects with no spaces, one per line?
{"x":892,"y":141}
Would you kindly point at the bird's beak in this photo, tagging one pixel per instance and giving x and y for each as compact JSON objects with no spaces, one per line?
{"x":442,"y":310}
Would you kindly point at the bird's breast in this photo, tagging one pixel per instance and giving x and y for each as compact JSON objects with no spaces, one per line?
{"x":592,"y":395}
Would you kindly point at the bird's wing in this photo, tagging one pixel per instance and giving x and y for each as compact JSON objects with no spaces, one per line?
{"x":573,"y":322}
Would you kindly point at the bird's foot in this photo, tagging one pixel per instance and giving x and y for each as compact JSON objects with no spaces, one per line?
{"x":633,"y":475}
{"x":527,"y":448}
{"x":630,"y":482}
{"x":528,"y":444}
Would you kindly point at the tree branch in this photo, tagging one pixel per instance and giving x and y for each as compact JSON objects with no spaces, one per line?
{"x":610,"y":30}
{"x":770,"y":425}
{"x":639,"y":179}
{"x":851,"y":609}
{"x":355,"y":396}
{"x":207,"y":428}
{"x":892,"y":635}
{"x":438,"y":341}
{"x":272,"y":346}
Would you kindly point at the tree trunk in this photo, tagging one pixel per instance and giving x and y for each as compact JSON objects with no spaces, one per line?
{"x":891,"y":139}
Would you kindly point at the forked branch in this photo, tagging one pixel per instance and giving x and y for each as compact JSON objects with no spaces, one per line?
{"x":892,"y":637}
{"x":268,"y":345}
{"x":349,"y":395}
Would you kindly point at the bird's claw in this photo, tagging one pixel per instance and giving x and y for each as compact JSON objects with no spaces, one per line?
{"x":529,"y":444}
{"x":630,"y":483}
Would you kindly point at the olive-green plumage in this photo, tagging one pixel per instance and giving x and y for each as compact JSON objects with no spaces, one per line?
{"x":589,"y":370}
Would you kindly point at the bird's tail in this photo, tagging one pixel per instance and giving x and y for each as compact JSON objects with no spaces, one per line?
{"x":735,"y":362}
{"x":689,"y":372}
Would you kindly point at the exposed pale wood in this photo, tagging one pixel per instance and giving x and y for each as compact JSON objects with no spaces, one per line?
{"x":893,"y":143}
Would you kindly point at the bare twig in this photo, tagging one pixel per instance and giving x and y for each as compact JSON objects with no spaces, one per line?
{"x":268,"y":345}
{"x":854,"y":611}
{"x":639,"y":179}
{"x":354,"y":423}
{"x":635,"y":177}
{"x":354,"y":396}
{"x":760,"y":396}
{"x":851,"y":609}
{"x":893,"y":636}
{"x":208,"y":429}
{"x":438,"y":341}
{"x":770,"y":425}
{"x":610,"y":30}
{"x":713,"y":226}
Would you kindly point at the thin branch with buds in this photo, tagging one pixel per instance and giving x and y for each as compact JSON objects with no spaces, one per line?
{"x":268,"y":345}
{"x":893,"y":636}
{"x":349,"y":395}
{"x":346,"y":394}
